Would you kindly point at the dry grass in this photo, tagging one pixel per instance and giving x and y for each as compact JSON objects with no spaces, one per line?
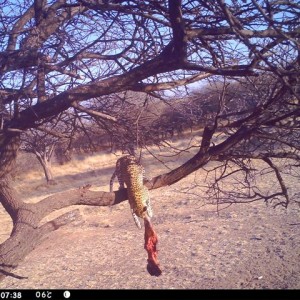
{"x":244,"y":246}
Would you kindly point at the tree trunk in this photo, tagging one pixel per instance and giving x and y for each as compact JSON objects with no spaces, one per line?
{"x":47,"y":167}
{"x":27,"y":233}
{"x":45,"y":161}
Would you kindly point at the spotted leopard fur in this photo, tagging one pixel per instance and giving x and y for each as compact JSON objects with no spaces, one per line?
{"x":130,"y":172}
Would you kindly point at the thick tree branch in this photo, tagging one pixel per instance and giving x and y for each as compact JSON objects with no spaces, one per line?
{"x":16,"y":59}
{"x":228,"y":33}
{"x":9,"y":145}
{"x":178,"y":26}
{"x":200,"y":159}
{"x":280,"y":180}
{"x":18,"y":29}
{"x":151,"y":87}
{"x":80,"y":196}
{"x":110,"y":85}
{"x":238,"y":70}
{"x":93,"y":113}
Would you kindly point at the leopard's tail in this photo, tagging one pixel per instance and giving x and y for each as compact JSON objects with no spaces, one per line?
{"x":151,"y":241}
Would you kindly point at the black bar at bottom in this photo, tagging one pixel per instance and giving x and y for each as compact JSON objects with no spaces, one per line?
{"x":71,"y":294}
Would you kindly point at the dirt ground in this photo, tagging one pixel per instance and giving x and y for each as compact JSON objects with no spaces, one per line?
{"x":246,"y":247}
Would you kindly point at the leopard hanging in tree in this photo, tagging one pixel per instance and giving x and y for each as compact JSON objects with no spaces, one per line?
{"x":131,"y":173}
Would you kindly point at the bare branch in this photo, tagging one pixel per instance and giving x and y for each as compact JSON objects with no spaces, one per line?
{"x":147,"y":88}
{"x":93,"y":112}
{"x":280,"y":180}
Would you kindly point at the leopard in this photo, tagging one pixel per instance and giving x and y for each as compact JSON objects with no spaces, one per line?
{"x":132,"y":174}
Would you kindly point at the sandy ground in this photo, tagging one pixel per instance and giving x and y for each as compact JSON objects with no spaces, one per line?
{"x":248,"y":246}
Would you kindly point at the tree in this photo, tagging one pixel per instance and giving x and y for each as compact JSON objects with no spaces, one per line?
{"x":43,"y":149}
{"x":71,"y":56}
{"x":274,"y":141}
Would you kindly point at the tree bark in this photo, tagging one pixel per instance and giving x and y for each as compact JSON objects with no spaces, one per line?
{"x":45,"y":161}
{"x":27,"y":232}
